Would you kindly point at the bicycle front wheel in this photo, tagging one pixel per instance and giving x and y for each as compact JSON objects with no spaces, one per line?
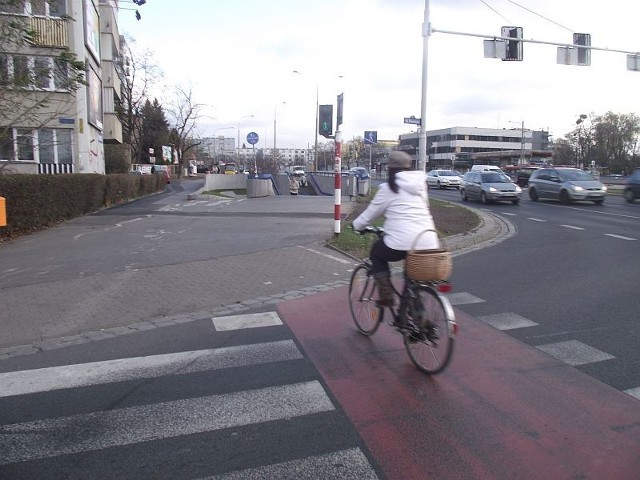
{"x":430,"y":340}
{"x":366,"y":313}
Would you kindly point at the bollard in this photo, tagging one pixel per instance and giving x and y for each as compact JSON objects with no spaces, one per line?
{"x":3,"y":212}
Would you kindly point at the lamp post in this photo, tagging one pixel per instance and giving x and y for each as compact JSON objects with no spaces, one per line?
{"x":580,"y":149}
{"x":275,"y":150}
{"x":238,"y":154}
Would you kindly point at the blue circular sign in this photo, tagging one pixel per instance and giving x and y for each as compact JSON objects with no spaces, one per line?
{"x":252,"y":138}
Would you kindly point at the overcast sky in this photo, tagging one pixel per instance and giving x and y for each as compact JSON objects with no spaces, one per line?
{"x":239,"y":57}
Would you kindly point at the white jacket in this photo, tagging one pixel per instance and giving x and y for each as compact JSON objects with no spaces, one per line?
{"x":406,"y":213}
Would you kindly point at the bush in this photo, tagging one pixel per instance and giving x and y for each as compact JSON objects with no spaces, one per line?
{"x":35,"y":202}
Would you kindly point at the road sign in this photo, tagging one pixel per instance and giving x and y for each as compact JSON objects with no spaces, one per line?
{"x":252,"y":138}
{"x":413,"y":120}
{"x":370,"y":137}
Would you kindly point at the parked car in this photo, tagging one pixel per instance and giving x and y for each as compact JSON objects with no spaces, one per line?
{"x":632,"y":187}
{"x":488,"y":187}
{"x":442,"y":179}
{"x":566,"y":184}
{"x":360,"y":172}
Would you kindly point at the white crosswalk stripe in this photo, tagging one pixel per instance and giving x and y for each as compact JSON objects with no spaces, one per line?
{"x":33,"y":441}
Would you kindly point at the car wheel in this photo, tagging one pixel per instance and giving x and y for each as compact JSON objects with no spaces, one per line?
{"x":564,"y":197}
{"x":463,"y":194}
{"x":438,"y":186}
{"x":599,"y":201}
{"x":533,"y":195}
{"x":516,"y":201}
{"x":628,"y":195}
{"x":483,"y":198}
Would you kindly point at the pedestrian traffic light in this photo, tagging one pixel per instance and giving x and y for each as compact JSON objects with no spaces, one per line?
{"x":514,"y":47}
{"x":325,"y":120}
{"x":584,"y":54}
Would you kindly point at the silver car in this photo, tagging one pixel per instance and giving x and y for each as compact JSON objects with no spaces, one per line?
{"x":489,"y":187}
{"x":566,"y":184}
{"x":444,"y":179}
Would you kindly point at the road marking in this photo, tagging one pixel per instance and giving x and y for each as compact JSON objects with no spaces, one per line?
{"x":536,"y":219}
{"x":463,"y":298}
{"x":572,"y":227}
{"x":634,"y":392}
{"x":507,"y":321}
{"x":509,"y":214}
{"x":350,"y":463}
{"x":574,"y":352}
{"x":620,"y":237}
{"x":326,"y":255}
{"x":106,"y":229}
{"x":98,"y":430}
{"x":250,"y":320}
{"x":125,"y":369}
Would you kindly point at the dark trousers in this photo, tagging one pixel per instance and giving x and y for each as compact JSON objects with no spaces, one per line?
{"x":381,"y":255}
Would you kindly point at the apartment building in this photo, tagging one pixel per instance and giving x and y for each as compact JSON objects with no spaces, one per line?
{"x":53,"y":128}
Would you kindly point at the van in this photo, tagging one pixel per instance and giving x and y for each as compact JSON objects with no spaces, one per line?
{"x":485,"y":168}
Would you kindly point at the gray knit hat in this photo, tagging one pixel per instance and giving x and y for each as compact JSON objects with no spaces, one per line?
{"x":398,"y":159}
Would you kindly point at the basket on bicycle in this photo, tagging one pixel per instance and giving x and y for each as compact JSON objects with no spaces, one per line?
{"x":428,"y":265}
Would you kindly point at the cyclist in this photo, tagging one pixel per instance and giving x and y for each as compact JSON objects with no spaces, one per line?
{"x":404,"y":204}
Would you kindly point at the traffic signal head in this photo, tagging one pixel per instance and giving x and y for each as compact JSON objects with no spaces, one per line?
{"x":514,"y":47}
{"x":325,"y":120}
{"x":584,"y":54}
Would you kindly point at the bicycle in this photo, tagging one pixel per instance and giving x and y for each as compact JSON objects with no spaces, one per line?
{"x":422,"y":314}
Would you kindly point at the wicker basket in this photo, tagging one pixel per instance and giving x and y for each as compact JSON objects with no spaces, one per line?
{"x":428,"y":265}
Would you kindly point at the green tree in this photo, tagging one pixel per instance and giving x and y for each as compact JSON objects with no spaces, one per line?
{"x":155,"y":129}
{"x":616,"y":140}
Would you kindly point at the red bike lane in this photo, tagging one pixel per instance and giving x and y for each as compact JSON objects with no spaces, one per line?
{"x":501,"y":409}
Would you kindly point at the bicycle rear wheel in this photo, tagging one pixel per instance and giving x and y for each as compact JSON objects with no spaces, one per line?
{"x":366,"y":313}
{"x":430,"y":340}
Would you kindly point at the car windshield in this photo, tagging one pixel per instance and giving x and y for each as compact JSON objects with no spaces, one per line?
{"x":495,"y":177}
{"x":448,"y":173}
{"x":576,"y":175}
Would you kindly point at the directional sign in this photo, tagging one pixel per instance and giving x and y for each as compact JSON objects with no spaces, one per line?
{"x":413,"y":120}
{"x":252,"y":138}
{"x":370,"y":137}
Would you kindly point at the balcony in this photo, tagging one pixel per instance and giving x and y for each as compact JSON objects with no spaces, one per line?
{"x":51,"y":32}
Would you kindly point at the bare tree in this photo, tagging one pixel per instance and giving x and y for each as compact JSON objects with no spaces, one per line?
{"x":141,"y":74}
{"x":184,"y":113}
{"x":33,"y":90}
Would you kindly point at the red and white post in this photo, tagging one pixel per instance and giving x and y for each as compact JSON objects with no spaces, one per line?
{"x":338,"y":181}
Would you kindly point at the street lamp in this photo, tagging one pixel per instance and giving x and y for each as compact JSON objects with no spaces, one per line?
{"x":238,"y":154}
{"x":275,"y":151}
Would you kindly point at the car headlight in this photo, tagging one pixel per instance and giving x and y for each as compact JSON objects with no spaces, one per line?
{"x":518,"y":189}
{"x":604,"y":188}
{"x":577,"y":188}
{"x":493,"y":189}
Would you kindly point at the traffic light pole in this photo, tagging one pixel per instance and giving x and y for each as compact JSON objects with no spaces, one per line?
{"x":422,"y":136}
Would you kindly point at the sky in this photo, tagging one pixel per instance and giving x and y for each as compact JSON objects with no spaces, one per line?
{"x":239,"y":58}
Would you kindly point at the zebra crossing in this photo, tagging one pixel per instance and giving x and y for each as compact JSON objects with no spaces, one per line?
{"x":571,"y":352}
{"x":256,"y":410}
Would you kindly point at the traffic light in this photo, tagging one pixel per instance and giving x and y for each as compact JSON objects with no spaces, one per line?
{"x":514,"y":47}
{"x":325,"y":120}
{"x":584,"y":54}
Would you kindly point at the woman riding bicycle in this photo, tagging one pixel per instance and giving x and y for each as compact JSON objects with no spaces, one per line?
{"x":404,"y":204}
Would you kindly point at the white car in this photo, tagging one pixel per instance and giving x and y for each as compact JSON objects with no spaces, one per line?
{"x":444,"y":179}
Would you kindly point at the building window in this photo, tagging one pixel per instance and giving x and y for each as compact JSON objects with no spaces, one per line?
{"x":45,"y":73}
{"x":42,"y":8}
{"x":46,"y":145}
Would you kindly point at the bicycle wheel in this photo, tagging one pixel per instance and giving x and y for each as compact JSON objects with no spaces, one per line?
{"x":366,"y":313}
{"x":429,"y":341}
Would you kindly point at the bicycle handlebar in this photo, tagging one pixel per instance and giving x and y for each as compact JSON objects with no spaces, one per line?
{"x":379,"y":231}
